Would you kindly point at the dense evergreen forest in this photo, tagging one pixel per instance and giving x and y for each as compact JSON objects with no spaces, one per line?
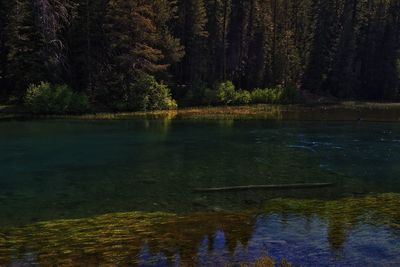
{"x":114,"y":51}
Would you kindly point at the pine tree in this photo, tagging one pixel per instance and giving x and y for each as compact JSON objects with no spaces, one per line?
{"x":191,"y":29}
{"x":131,"y":45}
{"x":3,"y":53}
{"x":370,"y":52}
{"x":173,"y":51}
{"x":218,"y":19}
{"x":342,"y":78}
{"x":236,"y":42}
{"x":301,"y":25}
{"x":390,"y":71}
{"x":256,"y":49}
{"x":347,"y":48}
{"x":23,"y":43}
{"x":286,"y":57}
{"x":323,"y":44}
{"x":52,"y":17}
{"x":87,"y":43}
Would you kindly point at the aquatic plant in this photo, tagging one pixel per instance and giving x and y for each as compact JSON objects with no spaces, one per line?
{"x":119,"y":237}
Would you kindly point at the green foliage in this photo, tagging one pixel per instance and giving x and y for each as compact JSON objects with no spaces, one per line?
{"x":226,"y":93}
{"x":242,"y":97}
{"x":347,"y":49}
{"x":37,"y":98}
{"x":276,"y":95}
{"x":191,"y":29}
{"x":200,"y":94}
{"x":22,"y":43}
{"x":79,"y":104}
{"x":259,"y":96}
{"x":60,"y":99}
{"x":223,"y":93}
{"x":147,"y":94}
{"x":267,"y":95}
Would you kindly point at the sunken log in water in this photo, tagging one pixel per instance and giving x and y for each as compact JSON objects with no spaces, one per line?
{"x":264,"y":187}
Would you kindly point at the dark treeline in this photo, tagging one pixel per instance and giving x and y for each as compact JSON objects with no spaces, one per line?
{"x":344,"y":48}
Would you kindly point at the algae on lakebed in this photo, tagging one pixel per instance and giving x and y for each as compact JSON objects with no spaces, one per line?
{"x":119,"y":238}
{"x":371,"y":209}
{"x":116,"y":238}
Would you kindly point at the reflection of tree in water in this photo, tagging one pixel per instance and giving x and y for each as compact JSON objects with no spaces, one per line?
{"x":337,"y":232}
{"x":215,"y":252}
{"x":312,"y":232}
{"x":342,"y":216}
{"x":302,"y":231}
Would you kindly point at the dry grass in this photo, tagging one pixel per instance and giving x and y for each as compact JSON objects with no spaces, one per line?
{"x":346,"y":111}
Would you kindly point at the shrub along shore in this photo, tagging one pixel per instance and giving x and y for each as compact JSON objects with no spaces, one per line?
{"x":148,"y":95}
{"x":151,"y":99}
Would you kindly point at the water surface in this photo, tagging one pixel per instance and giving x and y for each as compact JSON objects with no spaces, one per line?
{"x":54,"y":170}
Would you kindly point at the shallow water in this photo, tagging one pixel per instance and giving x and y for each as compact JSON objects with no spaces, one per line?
{"x":52,"y":170}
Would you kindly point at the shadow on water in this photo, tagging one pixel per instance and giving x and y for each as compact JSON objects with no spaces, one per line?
{"x":361,"y":231}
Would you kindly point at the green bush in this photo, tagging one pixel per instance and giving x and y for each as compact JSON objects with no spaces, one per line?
{"x":80,"y":104}
{"x":277,"y":95}
{"x":259,"y":96}
{"x":158,"y":96}
{"x":147,"y":94}
{"x":37,"y":98}
{"x":226,"y":93}
{"x":59,"y":99}
{"x":242,"y":97}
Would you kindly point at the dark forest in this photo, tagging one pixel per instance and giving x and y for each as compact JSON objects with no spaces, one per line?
{"x":114,"y":50}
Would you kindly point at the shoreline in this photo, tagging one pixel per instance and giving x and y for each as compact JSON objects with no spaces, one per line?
{"x":344,"y":111}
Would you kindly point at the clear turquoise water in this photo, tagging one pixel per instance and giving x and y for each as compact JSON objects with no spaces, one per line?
{"x":74,"y":169}
{"x":52,"y":170}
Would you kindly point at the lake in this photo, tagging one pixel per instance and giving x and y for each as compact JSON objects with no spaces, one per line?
{"x":121,"y":192}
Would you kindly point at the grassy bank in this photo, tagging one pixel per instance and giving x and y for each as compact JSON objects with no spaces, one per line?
{"x":345,"y":111}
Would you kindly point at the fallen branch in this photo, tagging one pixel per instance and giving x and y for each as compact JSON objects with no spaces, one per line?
{"x":264,"y":187}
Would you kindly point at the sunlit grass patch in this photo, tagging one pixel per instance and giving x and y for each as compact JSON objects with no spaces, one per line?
{"x":346,"y":111}
{"x":233,"y":112}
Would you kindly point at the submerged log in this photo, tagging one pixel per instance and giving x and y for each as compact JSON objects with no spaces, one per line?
{"x":264,"y":187}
